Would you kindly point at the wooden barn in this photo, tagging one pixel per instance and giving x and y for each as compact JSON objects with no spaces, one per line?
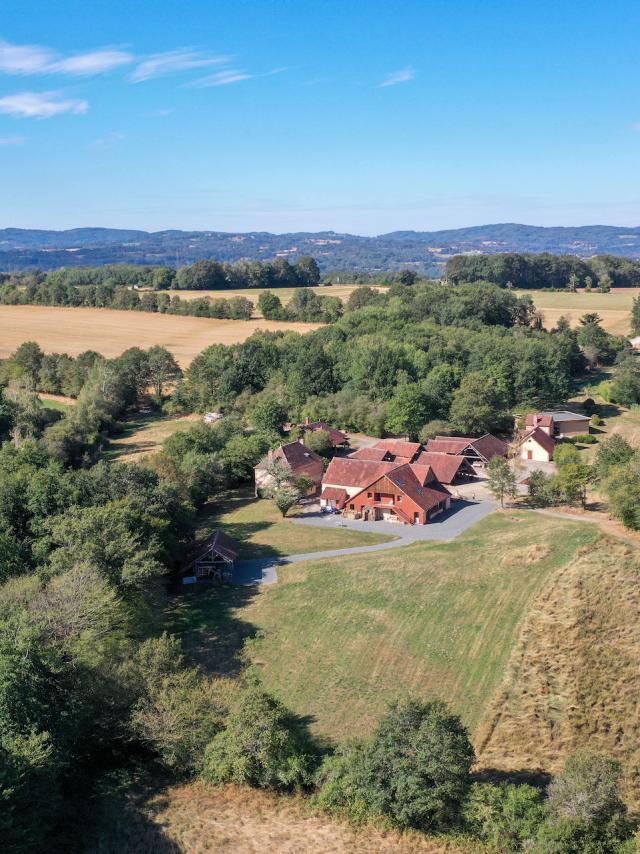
{"x":210,"y":560}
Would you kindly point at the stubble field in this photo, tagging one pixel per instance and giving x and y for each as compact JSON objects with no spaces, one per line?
{"x":614,"y":308}
{"x":110,"y":332}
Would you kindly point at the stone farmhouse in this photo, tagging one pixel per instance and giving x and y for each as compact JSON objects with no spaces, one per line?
{"x":300,"y":459}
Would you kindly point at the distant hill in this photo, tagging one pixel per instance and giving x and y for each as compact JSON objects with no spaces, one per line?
{"x":425,"y":251}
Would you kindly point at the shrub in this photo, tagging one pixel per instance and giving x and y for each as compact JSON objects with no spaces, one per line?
{"x":414,"y":771}
{"x":262,"y":745}
{"x":596,"y":420}
{"x":506,"y":817}
{"x":566,"y":454}
{"x":585,"y":439}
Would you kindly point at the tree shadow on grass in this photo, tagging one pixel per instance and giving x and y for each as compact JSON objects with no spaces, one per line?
{"x":517,"y":777}
{"x":205,"y":617}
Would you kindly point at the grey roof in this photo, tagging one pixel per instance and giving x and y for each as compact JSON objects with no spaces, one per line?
{"x":565,"y":415}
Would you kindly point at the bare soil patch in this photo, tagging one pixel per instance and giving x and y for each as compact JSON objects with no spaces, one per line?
{"x":111,"y":332}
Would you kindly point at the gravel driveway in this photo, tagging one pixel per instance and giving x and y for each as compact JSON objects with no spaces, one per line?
{"x":444,"y":528}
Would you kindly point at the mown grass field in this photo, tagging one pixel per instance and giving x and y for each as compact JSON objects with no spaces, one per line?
{"x":110,"y":332}
{"x":613,"y":308}
{"x":262,"y":532}
{"x":338,"y":639}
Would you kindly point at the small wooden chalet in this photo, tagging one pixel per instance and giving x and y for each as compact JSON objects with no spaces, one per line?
{"x":403,"y":495}
{"x":210,"y":560}
{"x":477,"y":451}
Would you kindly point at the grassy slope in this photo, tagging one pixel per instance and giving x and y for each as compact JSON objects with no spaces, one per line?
{"x":262,"y":532}
{"x":337,"y":639}
{"x":573,"y":681}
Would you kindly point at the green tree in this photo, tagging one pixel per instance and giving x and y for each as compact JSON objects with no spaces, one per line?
{"x":319,"y":441}
{"x":408,"y":409}
{"x":501,"y":479}
{"x":564,"y":454}
{"x":163,"y":368}
{"x":635,"y":316}
{"x":28,"y":360}
{"x":407,"y":277}
{"x":262,"y":745}
{"x":163,"y":278}
{"x":478,"y":407}
{"x":613,"y":451}
{"x":572,"y":481}
{"x":268,"y":413}
{"x":414,"y":771}
{"x":307,"y":271}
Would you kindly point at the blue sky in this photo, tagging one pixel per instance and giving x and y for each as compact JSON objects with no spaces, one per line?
{"x":287,"y":115}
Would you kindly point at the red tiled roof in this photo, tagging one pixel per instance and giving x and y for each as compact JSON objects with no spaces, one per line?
{"x":297,"y":455}
{"x":334,"y":493}
{"x":445,"y":466}
{"x":490,"y":446}
{"x":538,"y":420}
{"x":407,"y":482}
{"x":543,"y":439}
{"x":222,"y":543}
{"x":399,"y":448}
{"x":448,"y":444}
{"x":369,"y":454}
{"x":345,"y":471}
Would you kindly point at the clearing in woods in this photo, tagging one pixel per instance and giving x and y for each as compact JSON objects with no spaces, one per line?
{"x":338,"y":639}
{"x":111,"y":332}
{"x":614,"y":308}
{"x":231,"y":819}
{"x":261,"y":531}
{"x":145,"y":435}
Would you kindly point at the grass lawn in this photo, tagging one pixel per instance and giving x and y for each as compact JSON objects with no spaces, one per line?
{"x":262,"y":532}
{"x":58,"y":405}
{"x":614,"y":308}
{"x":337,"y":639}
{"x":145,"y":435}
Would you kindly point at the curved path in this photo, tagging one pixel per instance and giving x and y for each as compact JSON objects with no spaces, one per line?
{"x":444,"y":528}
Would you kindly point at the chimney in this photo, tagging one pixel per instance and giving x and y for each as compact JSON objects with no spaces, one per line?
{"x":307,"y":421}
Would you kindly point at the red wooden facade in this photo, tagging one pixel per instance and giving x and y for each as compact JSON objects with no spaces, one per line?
{"x":399,"y":496}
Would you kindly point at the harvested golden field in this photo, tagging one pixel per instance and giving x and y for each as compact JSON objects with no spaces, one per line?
{"x":285,"y":294}
{"x":573,"y":680}
{"x":197,"y":819}
{"x":614,"y":308}
{"x":110,"y":332}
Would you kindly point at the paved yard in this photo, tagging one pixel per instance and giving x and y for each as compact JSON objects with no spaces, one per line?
{"x":446,"y":527}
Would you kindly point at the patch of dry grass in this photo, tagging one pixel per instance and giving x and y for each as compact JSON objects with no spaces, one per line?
{"x":232,"y":820}
{"x":111,"y":332}
{"x":146,"y":435}
{"x":573,"y":681}
{"x":614,"y":308}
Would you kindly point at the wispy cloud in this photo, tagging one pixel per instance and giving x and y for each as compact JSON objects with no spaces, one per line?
{"x":172,"y":62}
{"x":34,"y":59}
{"x":222,"y":78}
{"x":11,"y":140}
{"x":107,"y":142}
{"x":41,"y":105}
{"x":402,"y":76}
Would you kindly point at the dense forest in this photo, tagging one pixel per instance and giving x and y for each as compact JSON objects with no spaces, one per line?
{"x":94,"y":695}
{"x":511,"y":269}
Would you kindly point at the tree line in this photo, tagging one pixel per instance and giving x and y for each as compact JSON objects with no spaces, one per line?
{"x":207,"y":274}
{"x":544,"y":270}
